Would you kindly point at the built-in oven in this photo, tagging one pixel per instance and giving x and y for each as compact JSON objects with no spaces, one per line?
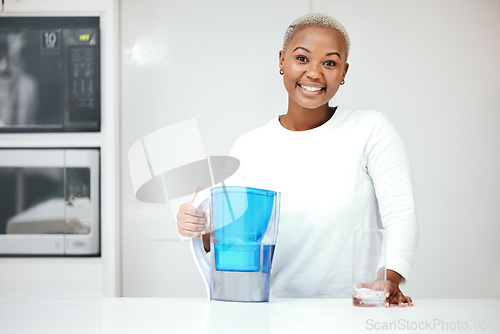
{"x":49,"y":74}
{"x":49,"y":202}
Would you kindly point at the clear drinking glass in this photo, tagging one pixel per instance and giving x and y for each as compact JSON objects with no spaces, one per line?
{"x":369,"y":274}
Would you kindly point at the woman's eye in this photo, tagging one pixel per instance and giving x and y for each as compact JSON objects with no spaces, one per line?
{"x":330,"y":63}
{"x":301,"y":58}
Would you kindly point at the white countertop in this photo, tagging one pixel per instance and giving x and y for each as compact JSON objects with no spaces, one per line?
{"x":190,"y":315}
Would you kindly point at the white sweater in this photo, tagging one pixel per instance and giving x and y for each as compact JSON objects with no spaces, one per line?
{"x":345,"y":174}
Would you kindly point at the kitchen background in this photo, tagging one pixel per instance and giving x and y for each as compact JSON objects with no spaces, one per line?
{"x":431,"y":66}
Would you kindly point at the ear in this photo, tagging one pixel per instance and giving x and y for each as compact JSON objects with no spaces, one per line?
{"x":345,"y":70}
{"x":281,"y":60}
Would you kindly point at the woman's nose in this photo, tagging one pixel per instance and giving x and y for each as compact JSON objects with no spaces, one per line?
{"x":313,"y":71}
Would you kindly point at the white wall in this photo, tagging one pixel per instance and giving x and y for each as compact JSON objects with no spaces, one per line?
{"x":431,"y":66}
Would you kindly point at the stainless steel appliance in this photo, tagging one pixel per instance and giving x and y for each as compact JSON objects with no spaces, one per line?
{"x":49,"y":74}
{"x":49,"y":202}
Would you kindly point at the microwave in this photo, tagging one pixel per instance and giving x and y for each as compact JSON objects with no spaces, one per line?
{"x":49,"y":202}
{"x":50,"y":74}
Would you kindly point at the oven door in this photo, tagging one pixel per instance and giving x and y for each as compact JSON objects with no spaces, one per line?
{"x":49,"y":202}
{"x":50,"y":74}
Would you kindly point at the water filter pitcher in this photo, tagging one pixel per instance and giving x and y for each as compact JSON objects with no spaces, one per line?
{"x":244,"y":227}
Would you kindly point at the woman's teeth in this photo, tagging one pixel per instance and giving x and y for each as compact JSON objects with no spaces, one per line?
{"x":311,"y":89}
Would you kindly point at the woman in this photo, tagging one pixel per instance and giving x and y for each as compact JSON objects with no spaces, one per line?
{"x":337,"y":170}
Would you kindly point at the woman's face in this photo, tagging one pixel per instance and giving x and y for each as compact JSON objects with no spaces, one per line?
{"x":314,"y":64}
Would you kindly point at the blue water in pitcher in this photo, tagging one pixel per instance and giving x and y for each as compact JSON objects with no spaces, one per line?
{"x":245,"y":227}
{"x":240,"y":218}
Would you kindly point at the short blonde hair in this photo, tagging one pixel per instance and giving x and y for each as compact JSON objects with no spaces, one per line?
{"x":316,"y":19}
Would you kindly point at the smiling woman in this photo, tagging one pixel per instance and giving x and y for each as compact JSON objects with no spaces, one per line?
{"x":313,"y":63}
{"x":338,"y":170}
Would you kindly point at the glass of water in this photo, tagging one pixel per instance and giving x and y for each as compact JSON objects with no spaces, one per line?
{"x":369,"y":274}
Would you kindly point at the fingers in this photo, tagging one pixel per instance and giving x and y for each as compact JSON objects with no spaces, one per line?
{"x":388,"y":293}
{"x":198,"y":189}
{"x":191,"y":221}
{"x":364,"y":285}
{"x":379,"y":285}
{"x":402,"y":300}
{"x":191,"y":226}
{"x":190,"y":234}
{"x":188,"y":209}
{"x":394,"y":296}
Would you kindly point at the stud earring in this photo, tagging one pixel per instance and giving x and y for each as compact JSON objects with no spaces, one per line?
{"x":342,"y":82}
{"x":281,"y":72}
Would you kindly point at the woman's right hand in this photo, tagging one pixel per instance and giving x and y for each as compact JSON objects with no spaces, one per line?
{"x":191,"y":222}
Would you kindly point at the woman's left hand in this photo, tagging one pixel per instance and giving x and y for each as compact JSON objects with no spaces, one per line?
{"x":393,"y":295}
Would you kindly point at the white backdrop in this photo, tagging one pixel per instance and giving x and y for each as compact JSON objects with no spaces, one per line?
{"x":431,"y":66}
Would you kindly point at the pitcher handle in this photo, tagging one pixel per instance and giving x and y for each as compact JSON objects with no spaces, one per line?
{"x":198,"y":249}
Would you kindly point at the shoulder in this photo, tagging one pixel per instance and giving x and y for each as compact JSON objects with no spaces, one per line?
{"x":374,"y":127}
{"x":368,"y":126}
{"x":358,"y":121}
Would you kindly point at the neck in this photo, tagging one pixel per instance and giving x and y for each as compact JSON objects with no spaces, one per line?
{"x":301,"y":119}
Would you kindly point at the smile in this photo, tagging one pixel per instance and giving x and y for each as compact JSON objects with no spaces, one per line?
{"x":309,"y":88}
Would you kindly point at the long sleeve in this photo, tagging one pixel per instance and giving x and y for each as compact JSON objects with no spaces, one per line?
{"x":388,"y":166}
